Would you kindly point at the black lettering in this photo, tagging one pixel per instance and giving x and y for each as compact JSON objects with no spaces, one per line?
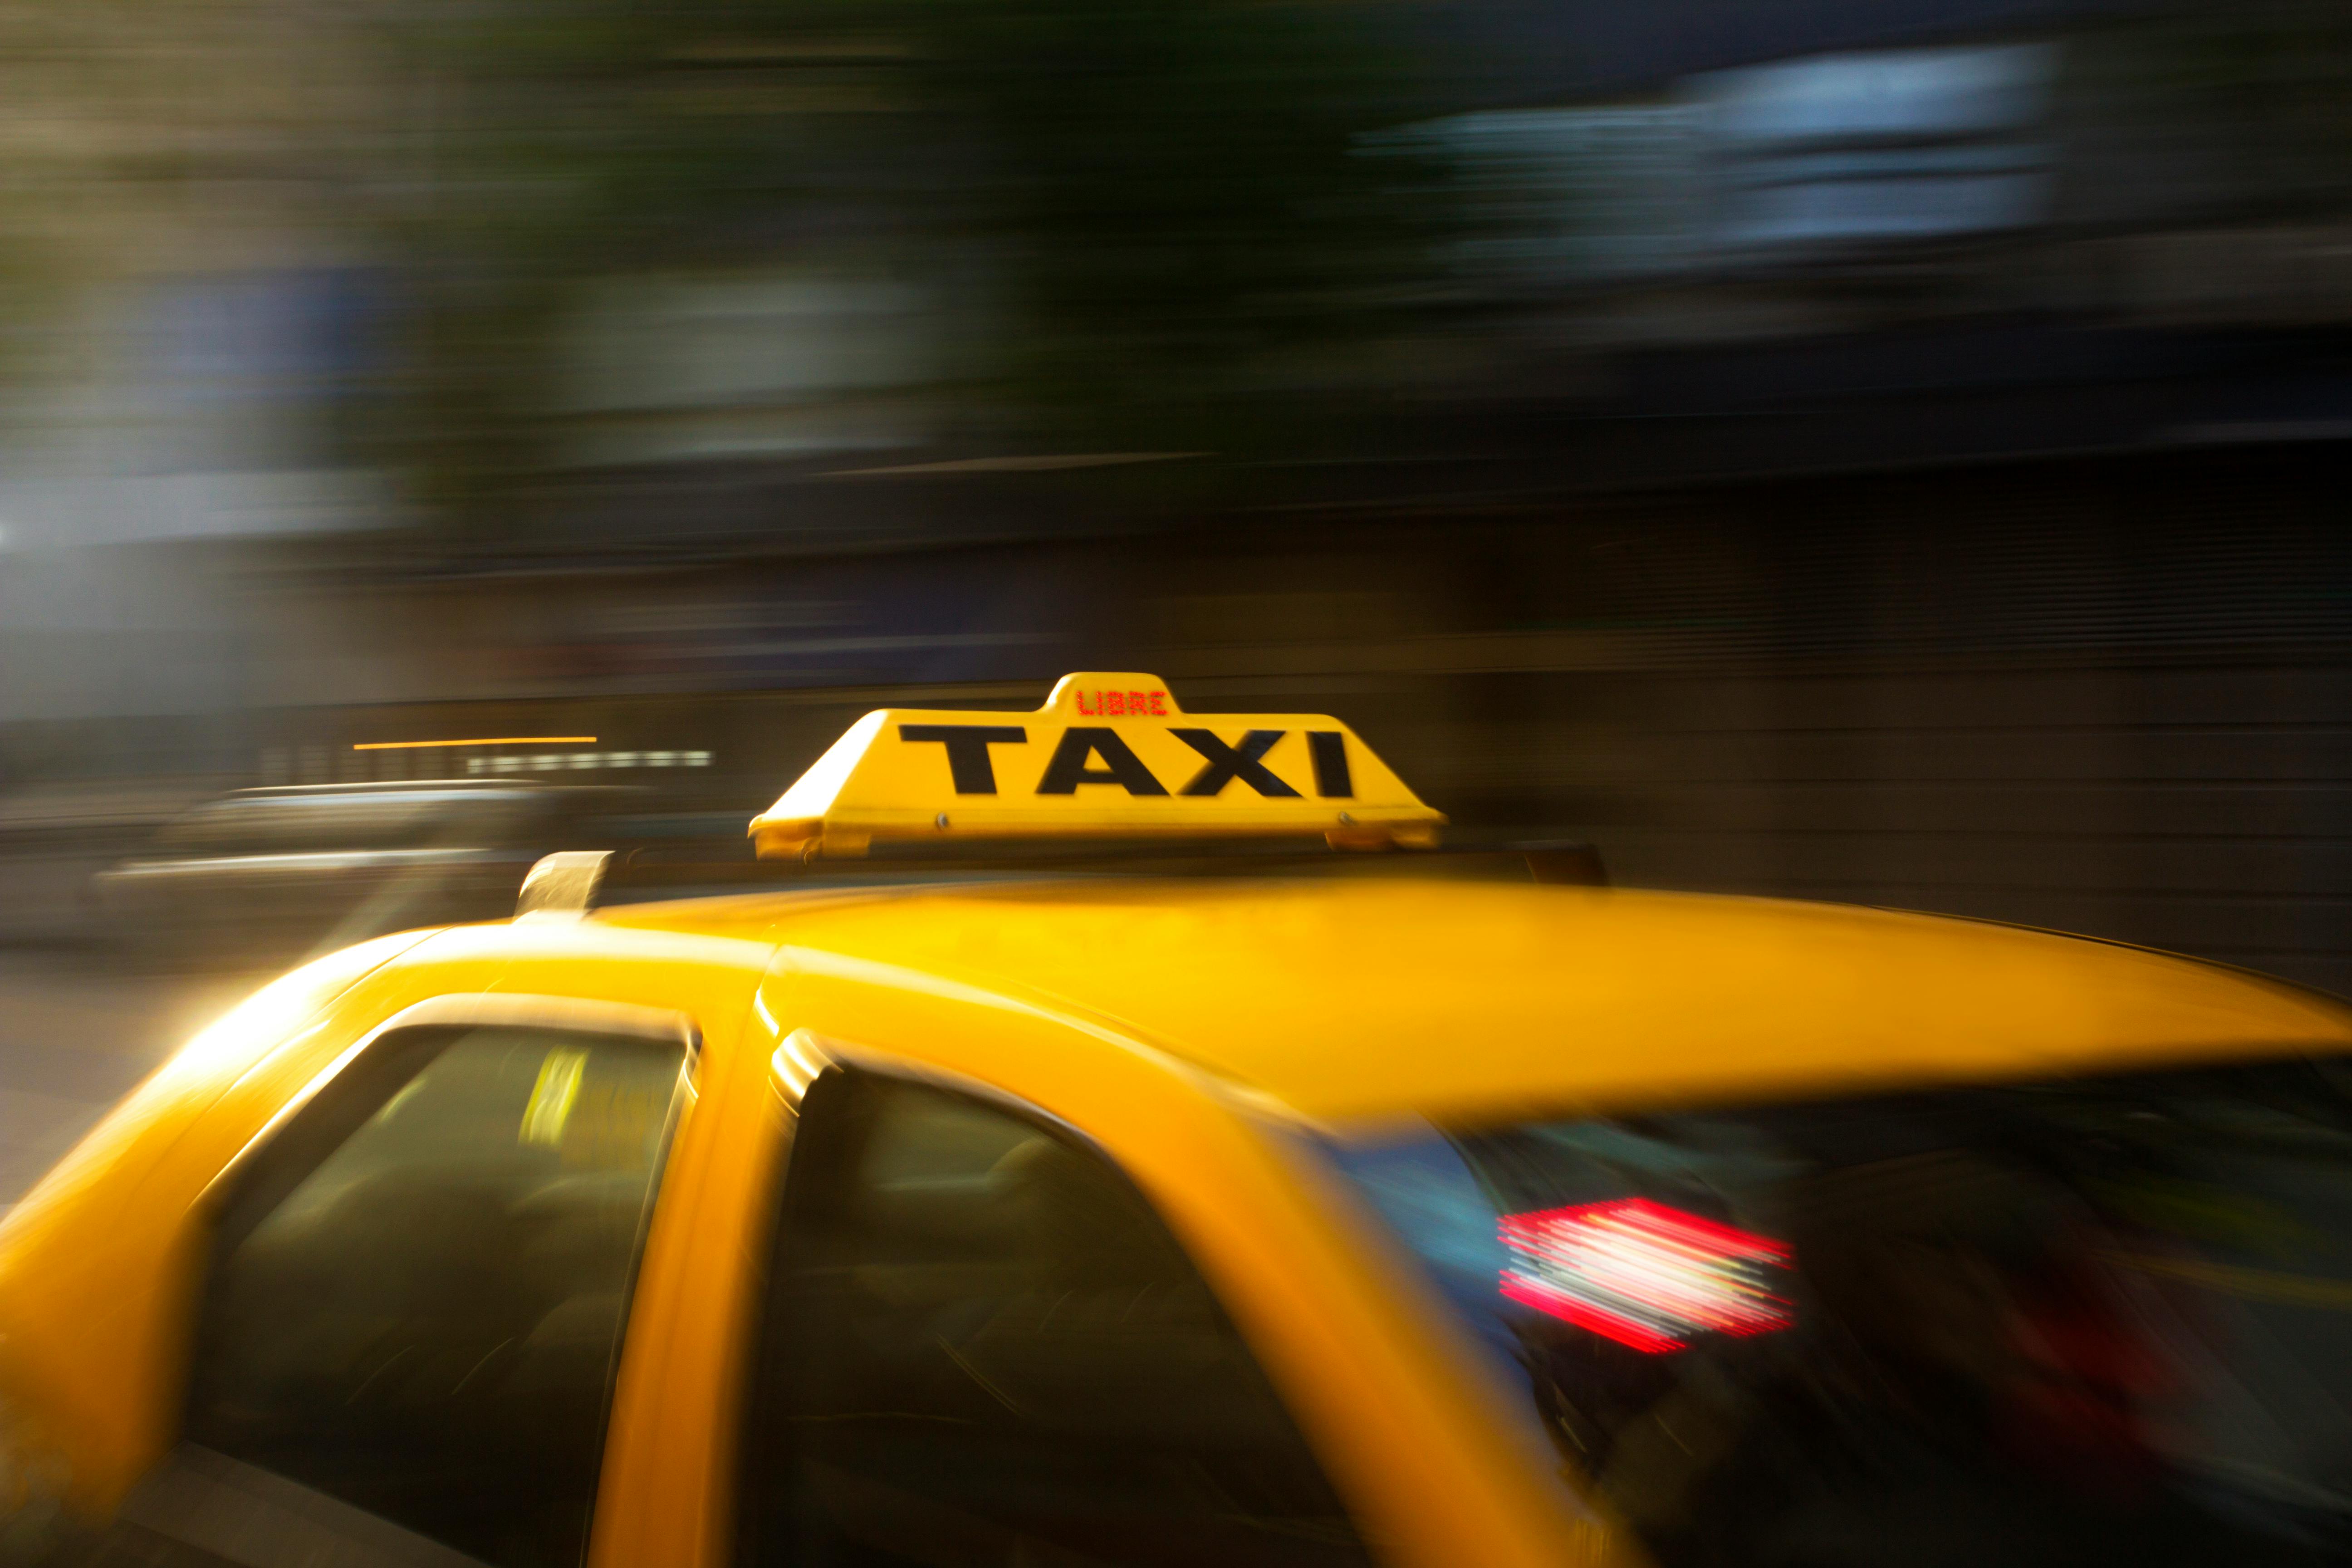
{"x":966,"y":744}
{"x":1329,"y":750}
{"x":1229,"y":762}
{"x":1069,"y":769}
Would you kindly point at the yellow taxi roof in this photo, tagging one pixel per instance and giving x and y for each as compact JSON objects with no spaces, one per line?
{"x":1365,"y":998}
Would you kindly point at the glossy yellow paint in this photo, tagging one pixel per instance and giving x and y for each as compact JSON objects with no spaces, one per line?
{"x":940,"y":775}
{"x":1367,"y":997}
{"x":1387,"y":1396}
{"x":1199,"y":1031}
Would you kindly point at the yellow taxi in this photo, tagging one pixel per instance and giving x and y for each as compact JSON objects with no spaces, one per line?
{"x":966,"y":1217}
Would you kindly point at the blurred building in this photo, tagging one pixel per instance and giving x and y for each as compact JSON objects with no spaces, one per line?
{"x":1880,"y":451}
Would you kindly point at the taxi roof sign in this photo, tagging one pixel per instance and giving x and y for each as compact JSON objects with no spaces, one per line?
{"x":1110,"y":755}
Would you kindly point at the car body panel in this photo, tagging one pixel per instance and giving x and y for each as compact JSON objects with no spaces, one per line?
{"x":1381,"y":1386}
{"x":95,"y":1336}
{"x":1199,"y":1032}
{"x":1365,"y":998}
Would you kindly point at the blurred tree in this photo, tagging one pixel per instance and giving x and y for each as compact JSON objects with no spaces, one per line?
{"x":1153,"y":208}
{"x":1179,"y":181}
{"x":2215,"y":113}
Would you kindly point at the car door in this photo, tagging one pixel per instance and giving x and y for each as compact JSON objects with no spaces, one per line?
{"x":414,"y":1291}
{"x":980,"y":1347}
{"x":1005,"y":1290}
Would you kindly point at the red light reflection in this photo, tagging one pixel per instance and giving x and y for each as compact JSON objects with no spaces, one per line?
{"x":1644,"y":1275}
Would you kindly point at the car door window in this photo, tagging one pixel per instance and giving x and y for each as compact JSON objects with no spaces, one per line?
{"x":982,"y":1349}
{"x":417,"y":1290}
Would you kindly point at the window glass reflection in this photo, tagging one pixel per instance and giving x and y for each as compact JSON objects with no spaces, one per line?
{"x":426,"y":1324}
{"x":2082,"y":1322}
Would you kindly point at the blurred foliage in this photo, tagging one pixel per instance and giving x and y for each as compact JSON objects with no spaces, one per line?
{"x":1144,"y":225}
{"x":1150,"y":210}
{"x":2238,"y":111}
{"x":1180,"y":191}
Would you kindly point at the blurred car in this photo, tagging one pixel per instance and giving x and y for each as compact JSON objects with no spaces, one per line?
{"x":323,"y":864}
{"x":1272,"y":1219}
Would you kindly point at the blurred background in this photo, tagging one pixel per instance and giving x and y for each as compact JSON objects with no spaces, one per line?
{"x":1880,"y":450}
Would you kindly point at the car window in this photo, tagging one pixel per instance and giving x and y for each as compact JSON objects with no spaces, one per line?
{"x":982,"y":1349}
{"x":418,"y":1295}
{"x":2088,"y":1321}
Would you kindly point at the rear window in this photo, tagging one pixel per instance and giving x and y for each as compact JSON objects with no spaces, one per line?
{"x":2085,"y":1322}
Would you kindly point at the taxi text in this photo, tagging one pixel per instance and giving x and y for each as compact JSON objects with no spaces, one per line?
{"x":1098,"y":754}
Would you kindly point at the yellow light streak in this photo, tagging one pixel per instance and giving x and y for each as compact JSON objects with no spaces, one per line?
{"x":492,"y":741}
